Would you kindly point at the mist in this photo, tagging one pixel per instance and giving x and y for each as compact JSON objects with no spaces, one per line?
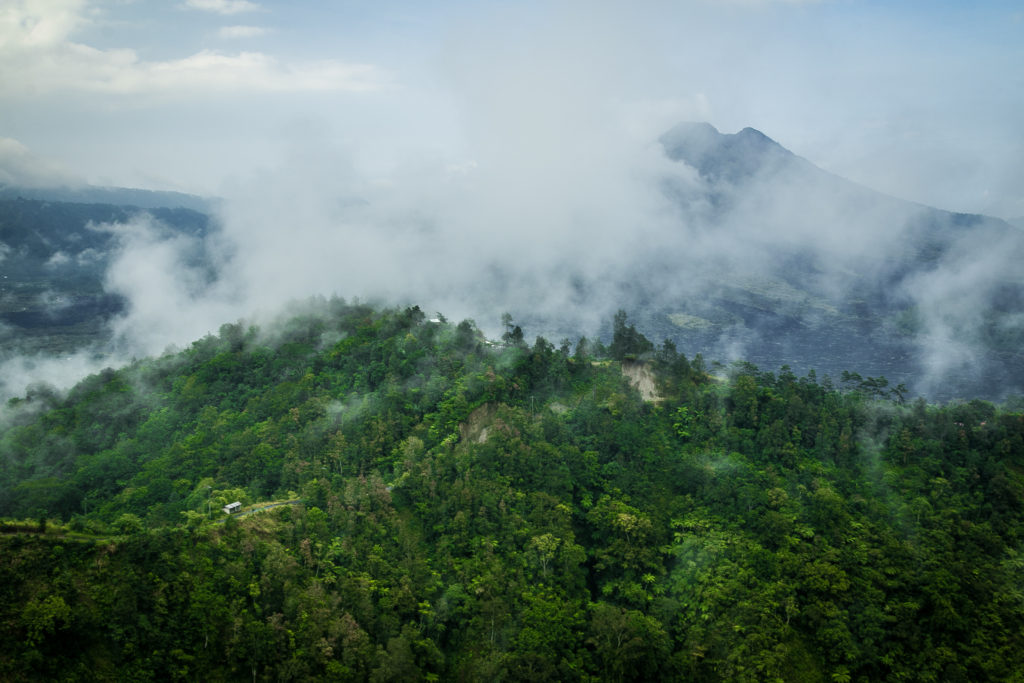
{"x":537,"y":179}
{"x":562,"y":244}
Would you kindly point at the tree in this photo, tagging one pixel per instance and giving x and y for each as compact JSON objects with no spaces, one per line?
{"x":627,"y":343}
{"x":128,"y":524}
{"x":629,"y":645}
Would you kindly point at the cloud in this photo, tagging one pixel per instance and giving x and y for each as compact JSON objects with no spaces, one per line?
{"x":39,"y":23}
{"x":232,"y":32}
{"x":20,"y":373}
{"x":57,"y":260}
{"x":166,"y":279}
{"x":21,"y":168}
{"x":38,"y":57}
{"x":556,"y":188}
{"x":249,"y":71}
{"x":226,"y":7}
{"x":555,"y":202}
{"x":562,"y":226}
{"x":954,"y":304}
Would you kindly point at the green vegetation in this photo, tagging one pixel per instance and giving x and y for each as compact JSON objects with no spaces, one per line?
{"x":475,"y":511}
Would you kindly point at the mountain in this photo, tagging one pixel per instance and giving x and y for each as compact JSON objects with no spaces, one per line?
{"x":790,"y":264}
{"x":732,"y":158}
{"x":422,"y":503}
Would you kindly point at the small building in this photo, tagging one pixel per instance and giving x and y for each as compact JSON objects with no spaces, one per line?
{"x":232,"y":508}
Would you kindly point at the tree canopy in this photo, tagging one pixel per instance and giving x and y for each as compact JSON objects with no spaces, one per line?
{"x":453,"y":509}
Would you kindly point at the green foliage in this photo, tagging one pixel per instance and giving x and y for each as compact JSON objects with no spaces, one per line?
{"x":455,"y":510}
{"x":627,"y":342}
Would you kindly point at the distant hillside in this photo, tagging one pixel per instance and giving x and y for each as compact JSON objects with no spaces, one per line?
{"x":796,"y":266}
{"x":53,"y":259}
{"x":117,"y":196}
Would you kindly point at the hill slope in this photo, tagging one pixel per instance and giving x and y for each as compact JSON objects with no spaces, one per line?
{"x":793,"y":265}
{"x":476,"y":510}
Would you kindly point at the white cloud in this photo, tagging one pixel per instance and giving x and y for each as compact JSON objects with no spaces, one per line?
{"x":223,"y":6}
{"x":170,"y":299}
{"x":255,"y":71}
{"x":20,"y":167}
{"x":38,"y":23}
{"x":57,"y":260}
{"x":241,"y":32}
{"x":37,"y":57}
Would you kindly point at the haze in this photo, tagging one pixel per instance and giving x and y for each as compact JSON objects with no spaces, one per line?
{"x":478,"y":157}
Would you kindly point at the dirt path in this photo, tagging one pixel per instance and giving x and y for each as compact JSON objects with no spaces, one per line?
{"x":261,"y":508}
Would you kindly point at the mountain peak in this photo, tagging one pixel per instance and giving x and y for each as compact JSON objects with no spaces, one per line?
{"x":716,"y":155}
{"x":749,"y":133}
{"x":690,"y":140}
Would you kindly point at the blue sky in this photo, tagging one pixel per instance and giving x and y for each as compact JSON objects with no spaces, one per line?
{"x":921,"y":100}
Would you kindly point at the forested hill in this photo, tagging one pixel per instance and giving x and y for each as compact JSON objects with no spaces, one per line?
{"x":467,"y":510}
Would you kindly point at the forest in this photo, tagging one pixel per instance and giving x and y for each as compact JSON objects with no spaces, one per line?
{"x":459,"y":508}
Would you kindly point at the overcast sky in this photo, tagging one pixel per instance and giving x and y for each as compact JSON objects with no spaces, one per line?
{"x":923,"y":100}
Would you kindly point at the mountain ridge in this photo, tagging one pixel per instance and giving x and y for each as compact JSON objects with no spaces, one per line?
{"x":116,"y":196}
{"x":744,"y":153}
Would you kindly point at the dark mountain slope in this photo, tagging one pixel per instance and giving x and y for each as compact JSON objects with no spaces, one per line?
{"x":733,"y":158}
{"x":789,"y":264}
{"x":53,"y":260}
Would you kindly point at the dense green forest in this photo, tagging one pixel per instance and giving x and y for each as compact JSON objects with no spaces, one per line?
{"x":460,"y":509}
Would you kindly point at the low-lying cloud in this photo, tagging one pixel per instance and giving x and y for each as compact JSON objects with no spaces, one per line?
{"x":564,"y":244}
{"x":556,"y":203}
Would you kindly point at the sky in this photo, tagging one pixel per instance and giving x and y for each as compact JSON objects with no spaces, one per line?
{"x":921,"y":100}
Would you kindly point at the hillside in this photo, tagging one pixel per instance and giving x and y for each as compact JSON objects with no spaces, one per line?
{"x":112,"y":196}
{"x":54,"y":259}
{"x":497,"y":510}
{"x":797,"y":266}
